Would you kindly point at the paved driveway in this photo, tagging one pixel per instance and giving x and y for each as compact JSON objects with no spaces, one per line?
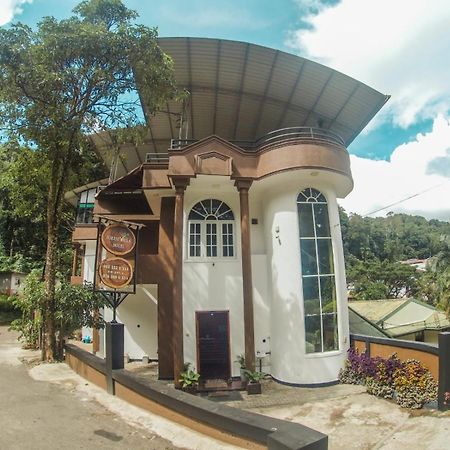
{"x":44,"y":415}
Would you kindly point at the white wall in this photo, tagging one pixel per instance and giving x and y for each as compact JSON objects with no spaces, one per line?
{"x":213,"y":284}
{"x":89,"y":261}
{"x":88,"y":274}
{"x":139,"y":314}
{"x":289,"y":361}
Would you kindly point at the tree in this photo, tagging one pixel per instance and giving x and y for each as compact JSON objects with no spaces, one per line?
{"x":73,"y":77}
{"x":23,"y":187}
{"x":373,"y":280}
{"x":435,"y":283}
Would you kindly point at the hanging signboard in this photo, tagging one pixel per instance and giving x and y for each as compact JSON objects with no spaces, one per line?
{"x":118,"y":239}
{"x":116,"y":257}
{"x":115,"y":273}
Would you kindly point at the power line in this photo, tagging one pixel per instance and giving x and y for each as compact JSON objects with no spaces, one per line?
{"x":405,"y":199}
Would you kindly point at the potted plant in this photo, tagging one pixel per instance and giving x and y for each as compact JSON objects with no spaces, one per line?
{"x":189,"y":379}
{"x":254,"y":381}
{"x":240,"y":359}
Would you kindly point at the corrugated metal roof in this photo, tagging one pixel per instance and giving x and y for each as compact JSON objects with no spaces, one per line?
{"x":436,"y":321}
{"x":241,"y":91}
{"x":360,"y":325}
{"x":376,"y":310}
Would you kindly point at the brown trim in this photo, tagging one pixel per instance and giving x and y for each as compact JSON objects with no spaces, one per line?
{"x":177,"y":335}
{"x":76,"y":247}
{"x":243,"y":187}
{"x":96,"y":335}
{"x":269,"y":159}
{"x":247,"y":429}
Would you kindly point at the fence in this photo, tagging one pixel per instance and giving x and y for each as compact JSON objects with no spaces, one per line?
{"x":437,"y":359}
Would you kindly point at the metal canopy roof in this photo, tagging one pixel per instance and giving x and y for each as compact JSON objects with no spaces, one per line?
{"x":241,"y":91}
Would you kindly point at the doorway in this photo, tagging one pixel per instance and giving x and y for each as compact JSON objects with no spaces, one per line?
{"x":213,"y":344}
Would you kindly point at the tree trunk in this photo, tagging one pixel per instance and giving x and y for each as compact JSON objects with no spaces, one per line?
{"x":62,"y":155}
{"x":50,"y":351}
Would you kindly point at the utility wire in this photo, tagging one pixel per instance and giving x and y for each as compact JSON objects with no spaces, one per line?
{"x":405,"y":199}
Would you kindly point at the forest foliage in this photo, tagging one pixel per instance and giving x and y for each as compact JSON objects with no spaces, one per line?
{"x":60,"y":82}
{"x":375,"y":246}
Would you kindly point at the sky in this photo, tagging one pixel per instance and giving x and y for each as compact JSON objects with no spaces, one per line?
{"x":401,"y":161}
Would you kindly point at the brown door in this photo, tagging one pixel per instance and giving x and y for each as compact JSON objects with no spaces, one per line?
{"x":213,"y":344}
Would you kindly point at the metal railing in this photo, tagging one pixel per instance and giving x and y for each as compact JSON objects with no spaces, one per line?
{"x":157,"y":158}
{"x":276,"y":137}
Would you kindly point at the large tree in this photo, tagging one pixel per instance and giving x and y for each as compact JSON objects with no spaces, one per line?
{"x":69,"y":78}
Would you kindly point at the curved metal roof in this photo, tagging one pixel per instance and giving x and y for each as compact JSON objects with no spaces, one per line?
{"x":241,"y":91}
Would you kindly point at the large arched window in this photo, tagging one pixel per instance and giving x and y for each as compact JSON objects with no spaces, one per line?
{"x":211,"y":230}
{"x":319,"y":292}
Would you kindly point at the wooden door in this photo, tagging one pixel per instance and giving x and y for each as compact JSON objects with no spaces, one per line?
{"x":213,"y":344}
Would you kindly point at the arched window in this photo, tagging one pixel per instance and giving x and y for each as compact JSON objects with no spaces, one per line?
{"x":211,"y":230}
{"x":319,"y":292}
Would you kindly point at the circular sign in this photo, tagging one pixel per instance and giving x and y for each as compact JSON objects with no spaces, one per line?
{"x":118,"y":239}
{"x":115,"y":272}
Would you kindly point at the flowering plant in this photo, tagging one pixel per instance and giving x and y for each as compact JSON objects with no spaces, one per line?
{"x":446,"y":398}
{"x":412,"y":381}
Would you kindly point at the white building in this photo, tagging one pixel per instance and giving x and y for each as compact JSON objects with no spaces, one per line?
{"x":241,"y":250}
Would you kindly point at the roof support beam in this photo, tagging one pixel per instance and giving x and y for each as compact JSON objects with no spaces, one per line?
{"x":333,"y":121}
{"x":191,"y":103}
{"x":138,"y":156}
{"x":240,"y":92}
{"x":169,"y":118}
{"x":291,"y":96}
{"x":311,"y":110}
{"x":216,"y":93}
{"x":264,"y":97}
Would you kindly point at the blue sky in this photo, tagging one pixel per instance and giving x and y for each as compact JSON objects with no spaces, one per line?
{"x":395,"y":47}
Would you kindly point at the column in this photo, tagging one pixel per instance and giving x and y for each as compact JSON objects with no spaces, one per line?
{"x":76,"y":247}
{"x":177,"y":335}
{"x":243,"y":187}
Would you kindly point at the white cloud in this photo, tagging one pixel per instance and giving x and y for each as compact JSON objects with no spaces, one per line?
{"x":9,"y":8}
{"x":399,"y":47}
{"x":417,"y":166}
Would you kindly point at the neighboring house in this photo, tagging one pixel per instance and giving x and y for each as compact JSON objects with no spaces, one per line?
{"x":241,"y":252}
{"x":11,"y":282}
{"x":420,"y":264}
{"x":360,"y":325}
{"x":407,"y":319}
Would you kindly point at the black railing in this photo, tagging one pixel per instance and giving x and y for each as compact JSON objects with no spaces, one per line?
{"x":157,"y":158}
{"x":275,"y":137}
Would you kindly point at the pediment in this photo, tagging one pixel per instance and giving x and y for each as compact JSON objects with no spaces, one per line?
{"x":213,"y":163}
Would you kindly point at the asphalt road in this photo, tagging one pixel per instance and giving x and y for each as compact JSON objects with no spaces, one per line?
{"x":41,"y":415}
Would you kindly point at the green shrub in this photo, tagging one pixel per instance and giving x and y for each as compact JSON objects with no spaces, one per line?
{"x":7,"y":303}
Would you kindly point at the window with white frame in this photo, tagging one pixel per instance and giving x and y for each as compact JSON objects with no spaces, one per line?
{"x":85,"y":207}
{"x":211,"y":230}
{"x":319,"y":291}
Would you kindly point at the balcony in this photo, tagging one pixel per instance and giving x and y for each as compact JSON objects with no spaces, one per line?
{"x":297,"y":134}
{"x":277,"y":137}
